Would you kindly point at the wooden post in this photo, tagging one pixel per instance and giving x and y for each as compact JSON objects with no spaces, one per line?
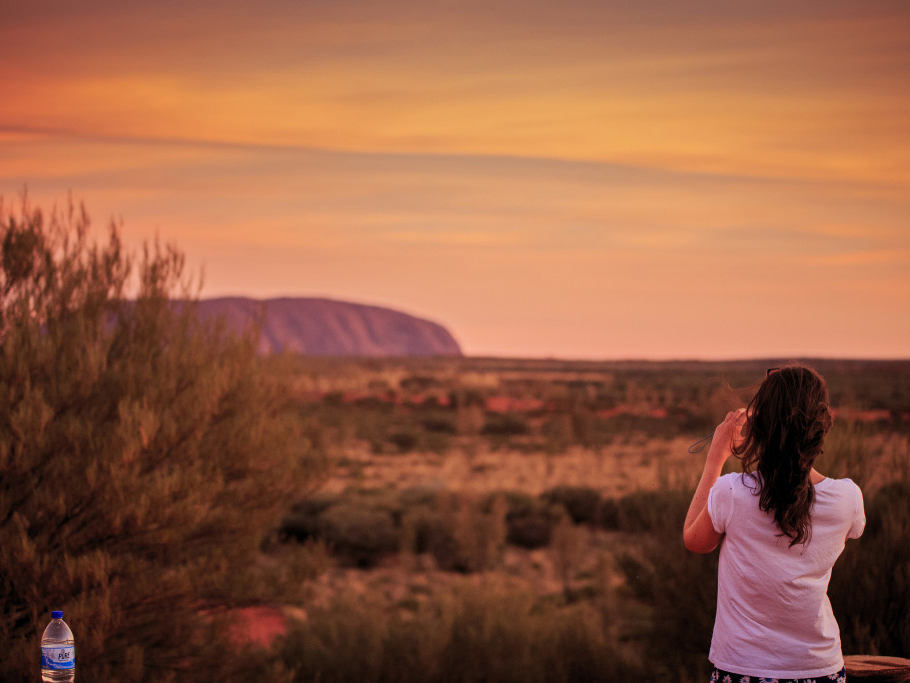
{"x":871,"y":669}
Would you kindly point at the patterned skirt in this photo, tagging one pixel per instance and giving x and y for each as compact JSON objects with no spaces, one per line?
{"x":721,"y":676}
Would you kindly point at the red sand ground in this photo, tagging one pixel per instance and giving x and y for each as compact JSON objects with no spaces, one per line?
{"x":258,"y":625}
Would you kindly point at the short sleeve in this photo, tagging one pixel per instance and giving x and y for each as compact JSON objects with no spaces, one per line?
{"x":720,"y":503}
{"x":859,"y":514}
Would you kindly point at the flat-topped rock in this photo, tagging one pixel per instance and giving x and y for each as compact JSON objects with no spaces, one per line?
{"x":323,"y":327}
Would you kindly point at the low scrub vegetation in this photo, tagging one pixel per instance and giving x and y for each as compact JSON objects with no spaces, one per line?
{"x":474,"y":634}
{"x":462,"y":532}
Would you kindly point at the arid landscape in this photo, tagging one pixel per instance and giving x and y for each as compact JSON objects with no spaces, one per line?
{"x":201,"y":511}
{"x":543,"y":482}
{"x":368,"y":341}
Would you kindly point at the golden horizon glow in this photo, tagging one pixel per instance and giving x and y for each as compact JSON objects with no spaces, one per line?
{"x":580,"y":180}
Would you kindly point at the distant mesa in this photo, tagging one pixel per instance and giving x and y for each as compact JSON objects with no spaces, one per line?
{"x":323,"y":327}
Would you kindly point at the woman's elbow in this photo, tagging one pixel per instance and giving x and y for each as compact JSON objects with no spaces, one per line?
{"x":698,"y":543}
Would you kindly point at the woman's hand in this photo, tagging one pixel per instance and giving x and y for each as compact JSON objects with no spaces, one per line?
{"x":727,"y":435}
{"x":699,"y":534}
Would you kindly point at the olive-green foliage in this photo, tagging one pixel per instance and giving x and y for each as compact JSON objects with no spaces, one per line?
{"x":505,"y":425}
{"x":477,"y":634}
{"x":466,"y":536}
{"x":440,"y":424}
{"x":360,"y":533}
{"x":529,"y":520}
{"x":386,"y":427}
{"x":143,"y":457}
{"x":302,"y":522}
{"x":847,"y":453}
{"x":583,"y":503}
{"x":359,"y":526}
{"x":646,"y":511}
{"x":404,"y":440}
{"x":870,"y":585}
{"x":364,"y":526}
{"x":679,"y":587}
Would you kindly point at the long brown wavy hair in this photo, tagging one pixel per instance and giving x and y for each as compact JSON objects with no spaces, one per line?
{"x":788,"y":419}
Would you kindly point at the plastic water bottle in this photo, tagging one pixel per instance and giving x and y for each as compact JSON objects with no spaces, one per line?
{"x":58,"y":651}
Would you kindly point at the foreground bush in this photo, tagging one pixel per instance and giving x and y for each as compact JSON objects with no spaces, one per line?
{"x":582,"y":503}
{"x":476,"y":634}
{"x":143,"y":456}
{"x":678,"y":587}
{"x":870,"y":585}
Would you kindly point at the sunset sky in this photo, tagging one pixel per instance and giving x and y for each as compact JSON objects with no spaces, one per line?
{"x":578,"y":179}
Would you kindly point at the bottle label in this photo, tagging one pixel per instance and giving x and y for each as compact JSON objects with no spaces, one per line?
{"x":56,"y":657}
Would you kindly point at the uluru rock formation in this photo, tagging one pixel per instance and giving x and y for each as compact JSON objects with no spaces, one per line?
{"x":325,"y":327}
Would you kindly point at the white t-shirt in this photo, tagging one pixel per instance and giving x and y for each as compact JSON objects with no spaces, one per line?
{"x":773,"y":614}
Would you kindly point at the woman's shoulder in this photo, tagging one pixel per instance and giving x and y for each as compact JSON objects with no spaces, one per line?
{"x":741,"y":480}
{"x":845,"y":486}
{"x":841,"y":499}
{"x":840,"y":493}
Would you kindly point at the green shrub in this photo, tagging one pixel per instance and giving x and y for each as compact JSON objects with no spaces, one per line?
{"x":460,"y":534}
{"x":557,"y":433}
{"x":424,"y":530}
{"x":361,"y":534}
{"x":847,"y":453}
{"x":418,"y":495}
{"x":679,"y":587}
{"x":533,"y":531}
{"x":608,"y":514}
{"x":581,"y":502}
{"x":504,"y":425}
{"x":475,"y":634}
{"x":440,"y":425}
{"x":870,"y":585}
{"x":437,"y":442}
{"x":359,"y":525}
{"x":404,"y":441}
{"x":383,"y":498}
{"x":652,"y":511}
{"x":302,"y":522}
{"x":419,"y":383}
{"x":529,"y":520}
{"x":298,"y":526}
{"x":144,"y":456}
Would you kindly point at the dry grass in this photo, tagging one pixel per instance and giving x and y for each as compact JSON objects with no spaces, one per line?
{"x":580,"y":563}
{"x":472,"y":467}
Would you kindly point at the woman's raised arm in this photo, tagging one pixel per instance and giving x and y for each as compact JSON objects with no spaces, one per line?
{"x":699,"y":534}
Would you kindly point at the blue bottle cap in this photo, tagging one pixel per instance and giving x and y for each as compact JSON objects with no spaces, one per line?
{"x":57,"y":614}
